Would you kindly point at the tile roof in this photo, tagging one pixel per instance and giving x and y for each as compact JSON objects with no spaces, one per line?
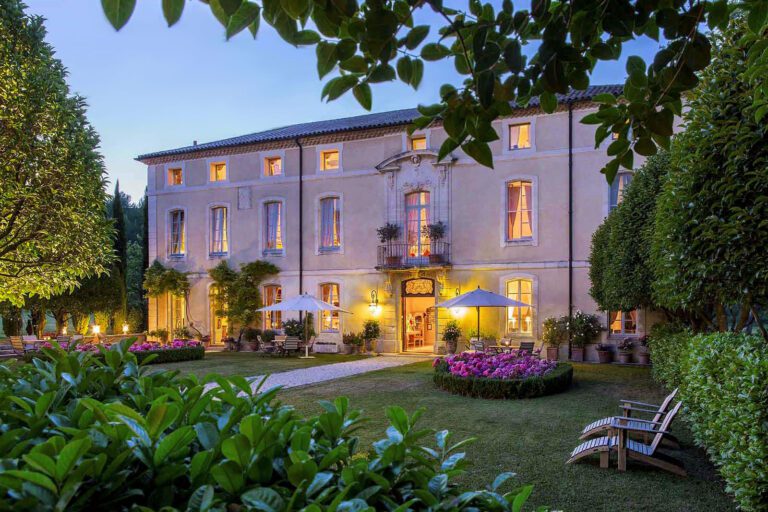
{"x":364,"y":122}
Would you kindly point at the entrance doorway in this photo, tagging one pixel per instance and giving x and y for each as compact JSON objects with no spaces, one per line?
{"x":219,"y":324}
{"x":418,"y":301}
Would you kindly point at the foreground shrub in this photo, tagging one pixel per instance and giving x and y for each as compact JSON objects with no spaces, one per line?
{"x":177,"y":351}
{"x":80,"y":431}
{"x":723,"y":381}
{"x":556,"y":380}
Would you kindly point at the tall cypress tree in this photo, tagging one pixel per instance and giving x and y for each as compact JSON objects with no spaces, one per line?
{"x":121,"y":246}
{"x":145,"y":252}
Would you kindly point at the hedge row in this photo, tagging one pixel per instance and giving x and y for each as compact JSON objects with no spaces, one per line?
{"x":173,"y":355}
{"x":556,"y":381}
{"x":723,"y":383}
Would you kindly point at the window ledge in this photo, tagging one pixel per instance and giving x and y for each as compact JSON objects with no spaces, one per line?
{"x":521,"y":241}
{"x":218,"y":254}
{"x":329,"y":250}
{"x":273,"y":252}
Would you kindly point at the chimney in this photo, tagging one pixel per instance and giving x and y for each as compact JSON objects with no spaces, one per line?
{"x":194,"y":143}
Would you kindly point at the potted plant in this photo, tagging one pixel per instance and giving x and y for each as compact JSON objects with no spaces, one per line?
{"x":371,"y":332}
{"x":160,"y":334}
{"x":554,"y":333}
{"x":352,"y":342}
{"x":451,"y":335}
{"x":387,"y":233}
{"x":436,"y":233}
{"x":643,"y":356}
{"x":182,"y":333}
{"x":604,"y":353}
{"x":584,"y":328}
{"x":625,"y":351}
{"x":251,"y":337}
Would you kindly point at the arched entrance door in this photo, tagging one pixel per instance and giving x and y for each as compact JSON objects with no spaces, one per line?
{"x":219,"y":324}
{"x":418,"y":301}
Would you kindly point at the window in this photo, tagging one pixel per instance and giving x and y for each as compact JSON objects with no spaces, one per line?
{"x":330,"y":224}
{"x":619,"y":188}
{"x":519,"y":210}
{"x":520,"y":319}
{"x":177,"y":312}
{"x":614,"y":135}
{"x":175,"y":176}
{"x":273,"y":166}
{"x":329,"y":160}
{"x":622,"y":322}
{"x":416,"y":222}
{"x":177,"y":240}
{"x":273,"y":294}
{"x":329,"y":320}
{"x":520,"y":136}
{"x":418,"y":143}
{"x":219,"y":235}
{"x":273,"y":229}
{"x":218,"y":171}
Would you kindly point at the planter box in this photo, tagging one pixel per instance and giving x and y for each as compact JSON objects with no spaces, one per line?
{"x":644,"y":358}
{"x":625,"y":357}
{"x":325,"y":348}
{"x":553,"y":353}
{"x":577,"y":354}
{"x":604,"y":356}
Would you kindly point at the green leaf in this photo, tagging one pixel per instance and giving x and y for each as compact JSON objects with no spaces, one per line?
{"x":318,"y":482}
{"x":242,"y":18}
{"x":645,"y":146}
{"x":606,"y":97}
{"x":362,"y":93}
{"x":617,"y":147}
{"x":635,"y":65}
{"x":434,"y":51}
{"x":326,"y":58}
{"x":415,"y":36}
{"x":548,"y":102}
{"x":207,"y":434}
{"x":355,"y":64}
{"x":513,"y":56}
{"x":201,"y":500}
{"x":479,"y":151}
{"x":404,"y":69}
{"x":32,"y":477}
{"x":176,"y":441}
{"x":417,"y":72}
{"x":229,"y":476}
{"x":521,"y":498}
{"x":238,"y":449}
{"x":718,"y":14}
{"x":230,"y":6}
{"x":263,"y":498}
{"x":302,"y":472}
{"x":40,"y":462}
{"x":69,"y":455}
{"x":160,"y":417}
{"x":218,"y":12}
{"x":172,"y":10}
{"x":757,"y":14}
{"x":431,"y":110}
{"x":295,"y":8}
{"x":338,"y":86}
{"x":118,"y":12}
{"x":381,"y":73}
{"x":661,"y":122}
{"x":306,"y":37}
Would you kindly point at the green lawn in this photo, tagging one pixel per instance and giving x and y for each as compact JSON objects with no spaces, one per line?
{"x":533,"y":438}
{"x":251,"y":363}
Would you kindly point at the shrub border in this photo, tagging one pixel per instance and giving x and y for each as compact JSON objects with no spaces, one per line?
{"x":556,"y":381}
{"x":171,"y":355}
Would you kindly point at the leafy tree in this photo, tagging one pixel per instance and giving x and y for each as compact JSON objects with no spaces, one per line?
{"x":121,"y":244}
{"x":709,"y":247}
{"x":620,"y":269}
{"x":159,"y":279}
{"x":11,"y":315}
{"x":240,"y":291}
{"x":134,"y":280}
{"x":52,"y":228}
{"x":377,"y":41}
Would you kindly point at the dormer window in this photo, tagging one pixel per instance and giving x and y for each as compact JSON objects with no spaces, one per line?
{"x":418,"y":142}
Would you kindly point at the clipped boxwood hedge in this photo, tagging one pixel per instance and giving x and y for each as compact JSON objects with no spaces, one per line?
{"x":556,"y":381}
{"x":173,"y":355}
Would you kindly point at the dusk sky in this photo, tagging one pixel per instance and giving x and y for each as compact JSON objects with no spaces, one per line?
{"x":152,"y":88}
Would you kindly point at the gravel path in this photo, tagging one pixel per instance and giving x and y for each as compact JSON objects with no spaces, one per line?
{"x":305,"y":376}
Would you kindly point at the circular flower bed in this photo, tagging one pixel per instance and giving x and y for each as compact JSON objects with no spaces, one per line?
{"x":513,"y":375}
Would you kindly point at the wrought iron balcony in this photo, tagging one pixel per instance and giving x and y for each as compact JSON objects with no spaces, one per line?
{"x":402,"y":255}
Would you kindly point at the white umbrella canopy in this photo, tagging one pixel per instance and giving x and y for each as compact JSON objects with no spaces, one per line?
{"x":480,"y":298}
{"x":303,"y":302}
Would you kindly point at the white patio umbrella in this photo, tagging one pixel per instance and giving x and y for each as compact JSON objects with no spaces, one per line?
{"x":304,"y":303}
{"x":480,"y":298}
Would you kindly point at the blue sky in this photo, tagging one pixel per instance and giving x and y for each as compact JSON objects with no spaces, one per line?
{"x":150,"y":87}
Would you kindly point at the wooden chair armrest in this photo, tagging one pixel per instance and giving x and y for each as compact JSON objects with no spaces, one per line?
{"x":624,"y":418}
{"x":644,"y":404}
{"x":641,"y":409}
{"x":630,"y":428}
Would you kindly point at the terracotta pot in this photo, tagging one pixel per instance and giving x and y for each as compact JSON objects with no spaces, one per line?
{"x":346,"y":349}
{"x":577,"y":354}
{"x":604,"y":356}
{"x":625,"y":357}
{"x":450,"y":347}
{"x":644,"y":358}
{"x":553,"y":353}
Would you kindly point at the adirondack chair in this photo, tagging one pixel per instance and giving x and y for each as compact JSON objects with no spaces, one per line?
{"x":20,"y":346}
{"x":618,"y":442}
{"x":602,"y":426}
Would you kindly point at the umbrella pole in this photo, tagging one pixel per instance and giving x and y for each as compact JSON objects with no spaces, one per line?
{"x":478,"y":325}
{"x":306,"y":340}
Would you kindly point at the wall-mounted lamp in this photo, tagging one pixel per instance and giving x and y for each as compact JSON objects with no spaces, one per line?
{"x":458,"y":312}
{"x":373,"y":306}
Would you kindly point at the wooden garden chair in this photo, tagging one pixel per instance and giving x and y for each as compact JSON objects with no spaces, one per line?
{"x":526,"y":346}
{"x":290,"y":344}
{"x":618,"y":442}
{"x":602,"y":426}
{"x":21,"y":346}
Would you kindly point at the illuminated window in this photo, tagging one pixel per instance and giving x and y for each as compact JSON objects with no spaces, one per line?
{"x":619,"y":187}
{"x":175,"y":176}
{"x":520,"y":136}
{"x":519,"y":210}
{"x":520,"y":319}
{"x":218,"y":172}
{"x":622,"y":322}
{"x":273,"y":166}
{"x":418,"y":143}
{"x":330,"y":224}
{"x":273,"y":294}
{"x":329,"y":320}
{"x":177,"y":239}
{"x":219,"y":235}
{"x":177,"y":312}
{"x":329,"y":160}
{"x":273,"y":228}
{"x":416,"y":222}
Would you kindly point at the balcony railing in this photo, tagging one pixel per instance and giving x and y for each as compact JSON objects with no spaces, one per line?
{"x":401,"y":255}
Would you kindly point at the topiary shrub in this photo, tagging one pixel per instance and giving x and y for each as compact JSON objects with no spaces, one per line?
{"x":81,"y":433}
{"x":556,"y":381}
{"x":723,"y":384}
